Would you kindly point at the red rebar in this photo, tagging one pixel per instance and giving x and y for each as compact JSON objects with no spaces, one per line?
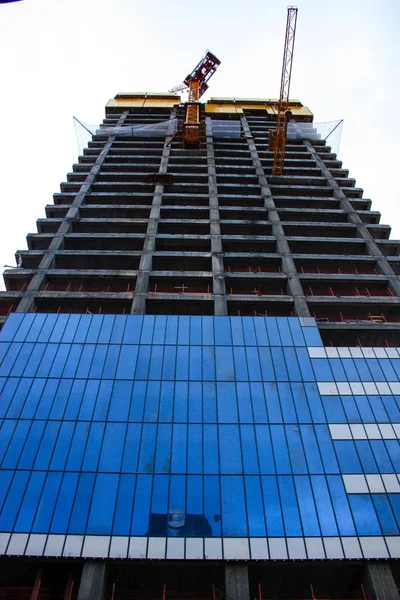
{"x":70,"y":590}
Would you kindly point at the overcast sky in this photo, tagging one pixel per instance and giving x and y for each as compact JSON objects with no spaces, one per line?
{"x":61,"y":58}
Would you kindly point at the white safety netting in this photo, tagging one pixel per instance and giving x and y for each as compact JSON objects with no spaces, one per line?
{"x":85,"y":131}
{"x":226,"y":129}
{"x":329,"y":131}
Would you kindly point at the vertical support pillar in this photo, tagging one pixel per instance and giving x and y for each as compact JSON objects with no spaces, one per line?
{"x":282,"y":246}
{"x":28,"y":299}
{"x":379,"y":582}
{"x":220,"y":303}
{"x":146,"y":259}
{"x":93,"y":581}
{"x":236,"y":581}
{"x":353,"y":216}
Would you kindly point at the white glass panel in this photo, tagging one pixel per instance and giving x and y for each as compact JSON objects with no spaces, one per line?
{"x":374,"y":547}
{"x":351,"y":547}
{"x":315,"y":548}
{"x":119,"y":547}
{"x":176,"y":547}
{"x":137,"y":547}
{"x":96,"y":546}
{"x":333,"y":547}
{"x":277,"y":548}
{"x":54,"y":545}
{"x":17,"y":543}
{"x":73,"y":545}
{"x":212,"y":548}
{"x":194,"y":548}
{"x":236,"y":548}
{"x":36,"y":544}
{"x":296,"y":548}
{"x":393,"y":543}
{"x":259,"y":548}
{"x":156,"y":548}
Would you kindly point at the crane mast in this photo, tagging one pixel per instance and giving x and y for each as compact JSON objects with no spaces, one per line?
{"x":277,"y":140}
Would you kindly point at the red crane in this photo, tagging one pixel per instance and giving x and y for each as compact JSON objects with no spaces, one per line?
{"x":277,"y":137}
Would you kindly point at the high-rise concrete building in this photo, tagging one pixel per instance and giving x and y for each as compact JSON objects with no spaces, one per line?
{"x":199,"y":379}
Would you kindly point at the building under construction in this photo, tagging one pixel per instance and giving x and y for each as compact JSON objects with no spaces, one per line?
{"x":199,"y":379}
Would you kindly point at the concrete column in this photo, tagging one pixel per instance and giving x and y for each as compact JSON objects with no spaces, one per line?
{"x":282,"y":246}
{"x":379,"y":582}
{"x":372,"y":247}
{"x":93,"y":581}
{"x":145,"y":266}
{"x":28,"y":299}
{"x":220,"y":304}
{"x":236,"y":581}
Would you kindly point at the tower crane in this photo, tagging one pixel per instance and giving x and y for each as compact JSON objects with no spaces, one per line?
{"x":277,"y":137}
{"x":197,"y":83}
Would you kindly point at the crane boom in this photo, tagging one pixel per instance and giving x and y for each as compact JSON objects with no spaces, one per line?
{"x":277,"y":141}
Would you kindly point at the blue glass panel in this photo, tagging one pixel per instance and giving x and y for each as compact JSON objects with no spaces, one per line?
{"x":64,"y":503}
{"x":179,"y":449}
{"x":237,"y":331}
{"x":279,"y":364}
{"x":22,"y":360}
{"x":17,"y":324}
{"x":347,"y":456}
{"x":227,"y":403}
{"x":376,"y":371}
{"x":301,"y":403}
{"x":296,"y":452}
{"x":261,"y":332}
{"x":183,"y":330}
{"x":82,"y":330}
{"x":163,"y":450}
{"x":30,"y":501}
{"x":196,"y":524}
{"x":291,"y":364}
{"x":334,"y":409}
{"x":166,"y":401}
{"x":364,"y":515}
{"x":272,"y":402}
{"x":60,"y":360}
{"x":395,"y":362}
{"x":280,"y":449}
{"x":16,"y":445}
{"x":224,"y":363}
{"x":131,"y":449}
{"x":381,"y":456}
{"x":327,"y":450}
{"x":182,"y":363}
{"x":287,"y":404}
{"x":156,"y":362}
{"x":4,"y":346}
{"x":273,"y":332}
{"x":240,"y":360}
{"x":47,"y":503}
{"x":13,"y":501}
{"x":99,"y":358}
{"x":312,"y":336}
{"x":92,"y":452}
{"x":34,"y":330}
{"x":75,"y":399}
{"x":113,"y":446}
{"x":250,"y":458}
{"x":73,"y":360}
{"x":47,"y":445}
{"x":9,"y":360}
{"x":324,"y":507}
{"x":147,"y":329}
{"x":141,"y":509}
{"x":195,"y":364}
{"x":89,"y":400}
{"x":305,"y":365}
{"x":209,"y":403}
{"x":212,"y":505}
{"x":272,"y":506}
{"x":61,"y":450}
{"x":248,"y":331}
{"x":147,"y":448}
{"x":152,"y":401}
{"x":391,"y":408}
{"x":255,"y":507}
{"x":388,"y":370}
{"x":124,"y":504}
{"x":211,"y":463}
{"x":296,"y":331}
{"x":78,"y":446}
{"x":222,"y":327}
{"x":378,"y":409}
{"x":322,"y":369}
{"x":350,"y":368}
{"x":32,"y":442}
{"x":339,"y":373}
{"x":138,"y":398}
{"x":253,"y":363}
{"x":234,"y":521}
{"x":103,"y":400}
{"x":70,"y":330}
{"x":159,"y":503}
{"x":385,"y":515}
{"x":106,"y":329}
{"x":284,"y":331}
{"x":120,"y":401}
{"x":393,"y":448}
{"x":395,"y":504}
{"x":80,"y":510}
{"x":230,"y":454}
{"x":195,"y":402}
{"x":291,"y":517}
{"x":33,"y":398}
{"x":207,"y":325}
{"x":350,"y":408}
{"x":7,"y":395}
{"x":195,"y":331}
{"x":208,"y":354}
{"x":94,"y":329}
{"x":181,"y":402}
{"x":169,"y":363}
{"x":127,"y":362}
{"x":177,"y":504}
{"x":258,"y":401}
{"x":244,"y":403}
{"x":103,"y":504}
{"x":111,"y":362}
{"x":340,"y":505}
{"x":307,"y":509}
{"x":127,"y":329}
{"x":366,"y":457}
{"x":159,"y":329}
{"x":171,"y":336}
{"x":265,"y":454}
{"x":267,"y":369}
{"x":364,"y":409}
{"x":362,"y":368}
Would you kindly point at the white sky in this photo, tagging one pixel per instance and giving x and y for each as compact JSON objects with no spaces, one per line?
{"x":61,"y":58}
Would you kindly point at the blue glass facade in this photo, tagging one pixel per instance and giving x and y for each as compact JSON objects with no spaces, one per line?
{"x":195,"y":437}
